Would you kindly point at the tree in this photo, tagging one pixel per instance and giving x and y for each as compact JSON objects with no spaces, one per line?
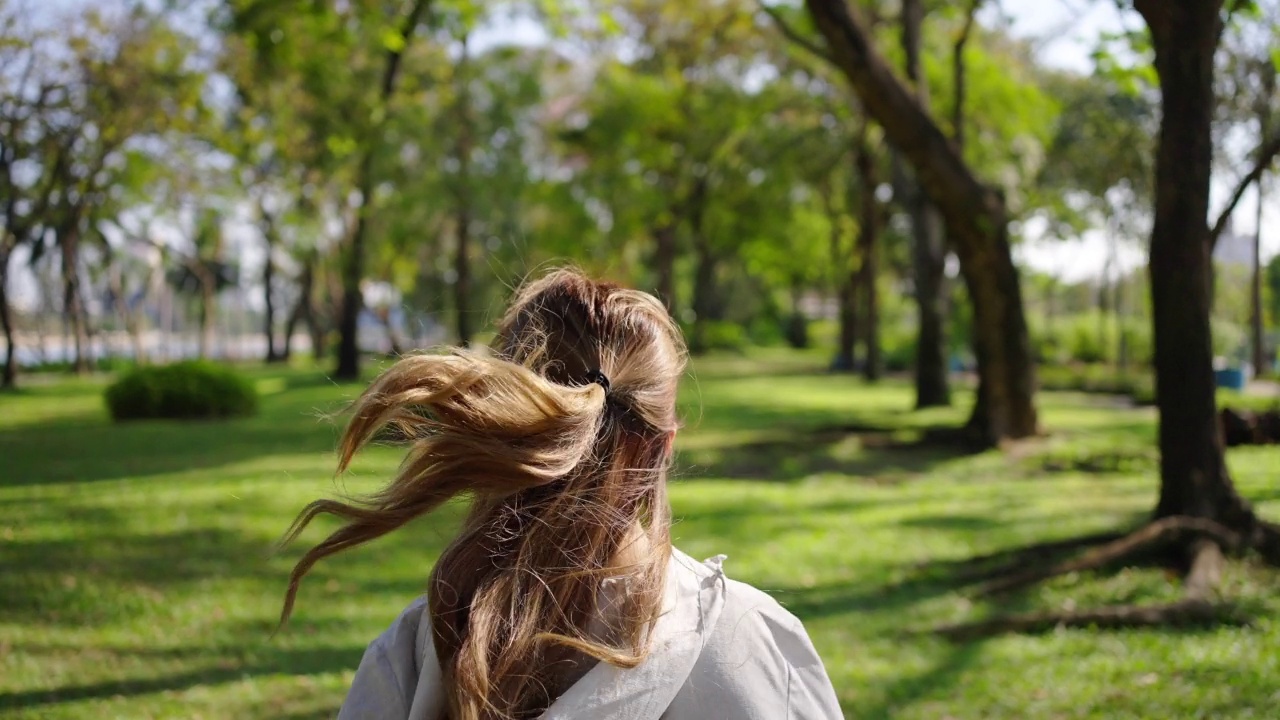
{"x":1199,"y":514}
{"x":345,"y":62}
{"x":869,"y":222}
{"x":1194,"y":479}
{"x":479,"y":176}
{"x":656,"y":127}
{"x":929,"y":247}
{"x":27,"y":94}
{"x":73,"y":115}
{"x":976,"y":219}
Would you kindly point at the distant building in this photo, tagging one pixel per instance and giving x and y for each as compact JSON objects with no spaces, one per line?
{"x":1234,"y":248}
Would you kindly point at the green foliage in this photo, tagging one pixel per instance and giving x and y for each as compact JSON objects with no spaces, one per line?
{"x":181,"y":391}
{"x":1098,"y":378}
{"x":898,"y":346}
{"x":1091,"y":337}
{"x":726,"y":336}
{"x":1098,"y":458}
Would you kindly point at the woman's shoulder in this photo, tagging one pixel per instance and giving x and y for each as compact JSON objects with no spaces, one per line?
{"x":757,"y":656}
{"x":397,"y":677}
{"x":741,"y":602}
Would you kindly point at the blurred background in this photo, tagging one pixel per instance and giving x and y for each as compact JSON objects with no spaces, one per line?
{"x":922,"y":308}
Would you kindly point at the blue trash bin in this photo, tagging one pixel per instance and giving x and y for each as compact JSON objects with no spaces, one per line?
{"x":1232,"y":378}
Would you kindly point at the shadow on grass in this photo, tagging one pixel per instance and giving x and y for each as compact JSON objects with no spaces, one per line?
{"x":871,"y":453}
{"x":110,"y":570}
{"x":63,"y":581}
{"x":274,"y":661}
{"x":938,"y":681}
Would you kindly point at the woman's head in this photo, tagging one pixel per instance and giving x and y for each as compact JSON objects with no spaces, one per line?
{"x":565,"y":326}
{"x":562,"y":439}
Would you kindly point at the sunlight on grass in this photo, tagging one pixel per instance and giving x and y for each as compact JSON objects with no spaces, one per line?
{"x":140,"y":578}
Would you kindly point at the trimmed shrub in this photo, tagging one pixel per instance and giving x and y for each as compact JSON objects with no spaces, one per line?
{"x":726,"y":336}
{"x":1138,"y":384}
{"x":185,"y":390}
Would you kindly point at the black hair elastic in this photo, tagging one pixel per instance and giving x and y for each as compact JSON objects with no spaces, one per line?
{"x":599,"y":378}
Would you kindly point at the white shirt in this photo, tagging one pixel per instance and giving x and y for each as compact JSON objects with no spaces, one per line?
{"x":722,"y":649}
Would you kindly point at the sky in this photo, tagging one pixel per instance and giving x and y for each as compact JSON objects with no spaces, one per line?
{"x":1066,"y":32}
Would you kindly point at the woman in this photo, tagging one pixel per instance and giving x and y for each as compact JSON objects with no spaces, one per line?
{"x":562,"y":597}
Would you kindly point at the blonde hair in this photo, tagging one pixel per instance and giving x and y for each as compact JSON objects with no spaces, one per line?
{"x":567,"y":479}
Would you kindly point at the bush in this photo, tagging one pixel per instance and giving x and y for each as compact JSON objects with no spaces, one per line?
{"x":185,"y":390}
{"x":898,"y":348}
{"x":1138,"y":384}
{"x":1085,"y":345}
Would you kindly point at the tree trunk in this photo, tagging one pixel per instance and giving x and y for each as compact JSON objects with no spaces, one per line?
{"x":353,"y":259}
{"x":704,"y":273}
{"x":290,"y":326}
{"x":129,"y":320}
{"x":462,"y":252}
{"x":1193,"y":473}
{"x":798,"y":323}
{"x":977,"y":226}
{"x":1107,"y":292}
{"x":869,"y":240}
{"x":928,"y":246}
{"x":1260,"y":363}
{"x":462,"y":283}
{"x":846,"y":285}
{"x":352,"y":273}
{"x":664,"y":263}
{"x":1120,"y":296}
{"x":302,"y":310}
{"x":389,"y":326}
{"x":9,"y":379}
{"x":72,"y":302}
{"x":933,"y":388}
{"x":207,"y":298}
{"x":268,"y":282}
{"x":703,"y":295}
{"x":846,"y":352}
{"x":847,"y":298}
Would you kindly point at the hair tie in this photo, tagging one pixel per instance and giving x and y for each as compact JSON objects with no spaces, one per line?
{"x":599,"y":378}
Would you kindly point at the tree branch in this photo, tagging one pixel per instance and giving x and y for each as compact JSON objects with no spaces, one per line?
{"x":1267,"y":153}
{"x":793,"y":35}
{"x":970,"y":208}
{"x":958,"y":71}
{"x":394,"y":55}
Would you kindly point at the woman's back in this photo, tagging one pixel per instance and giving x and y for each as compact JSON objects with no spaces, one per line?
{"x":722,"y":649}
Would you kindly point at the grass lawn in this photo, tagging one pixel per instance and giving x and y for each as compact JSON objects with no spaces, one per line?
{"x":138,"y":580}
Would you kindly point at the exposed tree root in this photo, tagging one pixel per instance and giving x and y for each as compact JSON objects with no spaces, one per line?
{"x":1196,"y":608}
{"x":1204,"y":541}
{"x":1266,"y":541}
{"x":1161,"y":533}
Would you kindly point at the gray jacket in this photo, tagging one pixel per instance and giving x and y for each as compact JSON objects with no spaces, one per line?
{"x":722,"y":649}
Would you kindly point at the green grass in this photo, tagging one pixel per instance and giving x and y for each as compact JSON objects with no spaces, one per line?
{"x":138,"y":580}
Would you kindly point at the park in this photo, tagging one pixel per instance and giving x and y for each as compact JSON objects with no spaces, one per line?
{"x":982,"y":381}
